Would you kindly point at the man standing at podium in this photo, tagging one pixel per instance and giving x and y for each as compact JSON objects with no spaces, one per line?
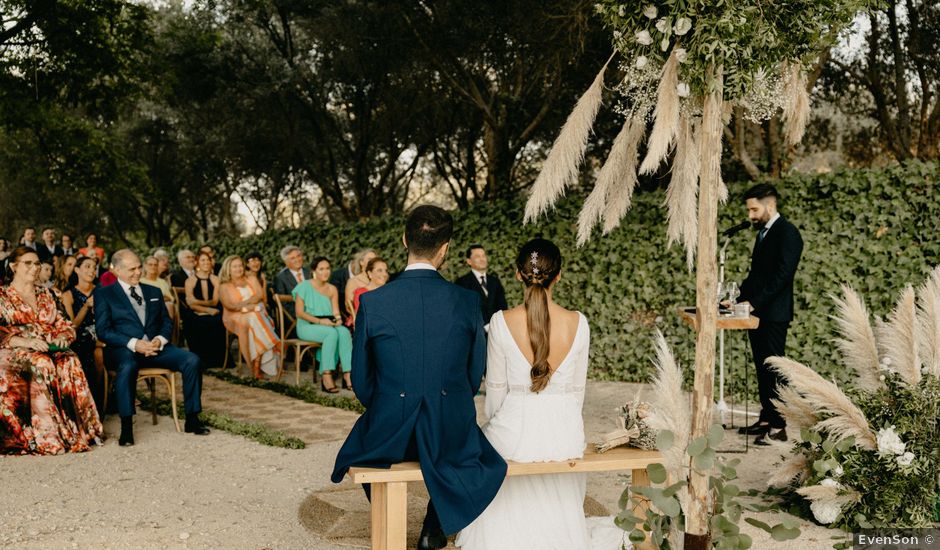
{"x":769,"y":290}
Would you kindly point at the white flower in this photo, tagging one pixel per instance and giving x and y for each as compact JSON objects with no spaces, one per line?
{"x":650,"y":11}
{"x":681,"y":55}
{"x":837,"y":471}
{"x":617,"y":35}
{"x":641,"y":62}
{"x":664,"y":45}
{"x":662,"y":25}
{"x":881,"y":377}
{"x":825,"y":511}
{"x":906,"y":459}
{"x":643,"y":37}
{"x":683,"y":25}
{"x":889,"y":443}
{"x":886,"y":362}
{"x":682,"y":89}
{"x":622,"y":10}
{"x":829,"y":482}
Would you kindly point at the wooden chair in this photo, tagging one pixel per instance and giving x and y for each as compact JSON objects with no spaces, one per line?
{"x":286,"y":324}
{"x":180,"y":305}
{"x":389,"y":502}
{"x":147,"y":374}
{"x":228,"y":349}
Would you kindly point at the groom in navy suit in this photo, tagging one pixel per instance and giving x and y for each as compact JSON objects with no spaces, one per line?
{"x":418,"y":356}
{"x":132,"y":320}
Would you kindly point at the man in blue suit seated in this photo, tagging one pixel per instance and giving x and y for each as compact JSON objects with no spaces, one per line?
{"x":132,"y":320}
{"x":419,"y":353}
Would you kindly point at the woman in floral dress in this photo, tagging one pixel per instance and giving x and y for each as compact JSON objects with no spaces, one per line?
{"x":45,"y":404}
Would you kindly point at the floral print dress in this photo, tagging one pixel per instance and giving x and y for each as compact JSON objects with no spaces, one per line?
{"x":45,"y":404}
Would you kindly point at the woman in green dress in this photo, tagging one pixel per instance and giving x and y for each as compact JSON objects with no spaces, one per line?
{"x":318,"y":320}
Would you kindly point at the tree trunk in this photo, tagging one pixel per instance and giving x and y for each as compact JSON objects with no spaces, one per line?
{"x":706,"y":282}
{"x":499,"y":161}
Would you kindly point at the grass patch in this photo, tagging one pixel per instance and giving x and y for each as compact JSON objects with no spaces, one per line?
{"x":305,"y":393}
{"x":255,"y":432}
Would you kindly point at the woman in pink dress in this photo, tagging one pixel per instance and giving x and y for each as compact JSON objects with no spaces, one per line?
{"x":45,"y":404}
{"x":245,"y":316}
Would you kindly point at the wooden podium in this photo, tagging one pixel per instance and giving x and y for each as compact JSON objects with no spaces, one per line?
{"x":725,"y":322}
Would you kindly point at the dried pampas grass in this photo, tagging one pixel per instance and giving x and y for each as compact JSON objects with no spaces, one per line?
{"x":835,"y":494}
{"x":682,"y":194}
{"x":667,"y":117}
{"x":670,"y":407}
{"x":615,"y":181}
{"x":898,"y":340}
{"x":857,"y":341}
{"x":563,"y":162}
{"x":798,"y":412}
{"x":796,"y":104}
{"x":794,"y":467}
{"x":928,"y":323}
{"x":825,"y":397}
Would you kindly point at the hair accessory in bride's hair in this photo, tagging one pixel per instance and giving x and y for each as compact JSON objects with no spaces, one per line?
{"x":534,"y":261}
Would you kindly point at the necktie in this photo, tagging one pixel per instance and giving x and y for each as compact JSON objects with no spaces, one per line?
{"x":137,"y":297}
{"x":483,"y":284}
{"x":299,"y":276}
{"x":761,"y":234}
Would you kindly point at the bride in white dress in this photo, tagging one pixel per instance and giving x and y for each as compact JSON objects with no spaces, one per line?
{"x":537,"y":360}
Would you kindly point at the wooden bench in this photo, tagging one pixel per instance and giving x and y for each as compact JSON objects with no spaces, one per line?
{"x":390,"y":486}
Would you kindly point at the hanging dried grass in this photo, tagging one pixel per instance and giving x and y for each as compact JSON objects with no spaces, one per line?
{"x":857,"y":341}
{"x":564,"y":160}
{"x":682,"y":194}
{"x":620,"y":196}
{"x":825,"y":397}
{"x":928,"y":322}
{"x":795,"y":467}
{"x":796,"y":104}
{"x":897,"y":338}
{"x":666,"y":115}
{"x":617,"y":178}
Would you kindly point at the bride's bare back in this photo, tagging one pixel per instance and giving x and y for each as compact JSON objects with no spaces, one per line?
{"x":564,"y":328}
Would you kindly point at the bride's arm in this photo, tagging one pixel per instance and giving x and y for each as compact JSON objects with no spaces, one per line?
{"x":497,"y":378}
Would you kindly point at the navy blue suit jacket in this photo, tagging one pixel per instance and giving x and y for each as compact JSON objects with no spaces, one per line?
{"x":116,"y":322}
{"x":418,"y":357}
{"x":769,"y":284}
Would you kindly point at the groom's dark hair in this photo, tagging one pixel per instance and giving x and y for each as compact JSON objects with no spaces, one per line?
{"x":427,"y":229}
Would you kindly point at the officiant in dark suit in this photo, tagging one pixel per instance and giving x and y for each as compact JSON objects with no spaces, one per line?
{"x":132,"y":320}
{"x":769,"y":290}
{"x":418,"y":357}
{"x":487,"y":285}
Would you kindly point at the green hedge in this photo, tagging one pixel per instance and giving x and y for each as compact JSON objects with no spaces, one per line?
{"x":874,"y":229}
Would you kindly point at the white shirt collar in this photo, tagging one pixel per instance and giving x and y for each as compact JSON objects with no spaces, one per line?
{"x":477,"y":274}
{"x":126,"y":287}
{"x":420,"y":265}
{"x":771,"y":221}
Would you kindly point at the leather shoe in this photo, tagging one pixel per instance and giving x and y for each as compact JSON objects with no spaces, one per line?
{"x":432,"y":540}
{"x":758,"y":428}
{"x":771,"y":436}
{"x":127,"y":431}
{"x":195,"y":426}
{"x":126,"y":439}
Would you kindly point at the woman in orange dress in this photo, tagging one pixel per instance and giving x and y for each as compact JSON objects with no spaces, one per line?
{"x":45,"y":404}
{"x":245,"y":316}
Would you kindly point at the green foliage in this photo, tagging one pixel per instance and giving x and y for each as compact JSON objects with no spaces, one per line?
{"x":255,"y":432}
{"x":873,"y":229}
{"x":667,"y":517}
{"x":305,"y":393}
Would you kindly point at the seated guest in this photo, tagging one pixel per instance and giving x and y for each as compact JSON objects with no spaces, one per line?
{"x":255,"y":265}
{"x":5,"y":249}
{"x":187,"y":261}
{"x":207,"y":248}
{"x":377,"y":271}
{"x":91,"y":245}
{"x":108,"y":277}
{"x":342,"y":275}
{"x":131,"y":319}
{"x":151,"y":276}
{"x":63,"y":273}
{"x":79,"y":305}
{"x":316,"y":305}
{"x":51,"y":410}
{"x":68,"y":249}
{"x":48,"y":249}
{"x":294,"y":271}
{"x":45,"y":274}
{"x":245,"y":316}
{"x":204,"y":331}
{"x":359,"y":280}
{"x":29,"y":238}
{"x":163,"y":264}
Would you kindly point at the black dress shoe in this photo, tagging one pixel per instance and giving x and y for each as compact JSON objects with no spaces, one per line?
{"x":758,"y":428}
{"x":432,"y":540}
{"x":195,"y":426}
{"x":127,"y":431}
{"x":778,"y":435}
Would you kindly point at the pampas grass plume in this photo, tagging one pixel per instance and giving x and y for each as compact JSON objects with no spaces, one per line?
{"x":620,"y":196}
{"x":682,"y":194}
{"x":898,"y":339}
{"x":928,"y":322}
{"x":666,"y":117}
{"x":857,"y":341}
{"x":796,"y":108}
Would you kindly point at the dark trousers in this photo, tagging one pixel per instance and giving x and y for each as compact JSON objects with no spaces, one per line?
{"x":432,"y":523}
{"x":127,"y":363}
{"x":768,"y":340}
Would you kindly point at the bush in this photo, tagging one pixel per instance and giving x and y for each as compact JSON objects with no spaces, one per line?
{"x":874,"y":229}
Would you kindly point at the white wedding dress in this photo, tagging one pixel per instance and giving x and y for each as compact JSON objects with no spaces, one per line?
{"x":537,"y":512}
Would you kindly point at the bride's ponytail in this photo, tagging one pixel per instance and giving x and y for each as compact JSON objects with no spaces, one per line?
{"x":538,"y":263}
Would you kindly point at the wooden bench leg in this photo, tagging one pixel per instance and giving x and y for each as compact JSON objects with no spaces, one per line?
{"x":641,"y":479}
{"x":389,"y":516}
